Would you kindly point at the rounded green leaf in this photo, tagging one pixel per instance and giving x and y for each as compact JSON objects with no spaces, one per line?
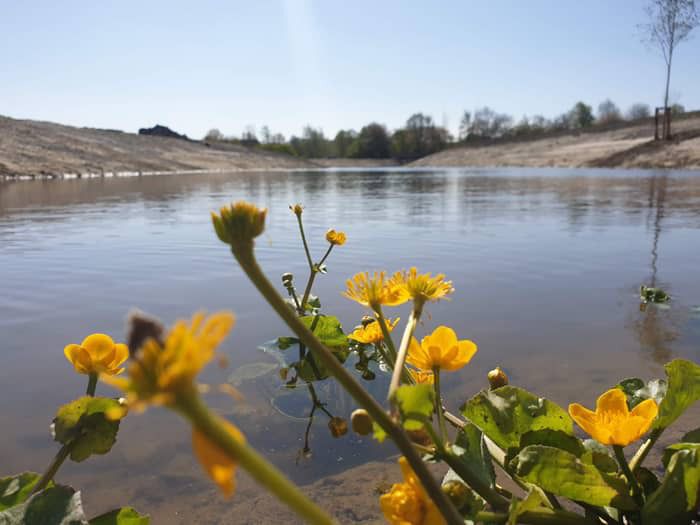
{"x":683,"y":390}
{"x":57,"y":505}
{"x":15,"y":489}
{"x":123,"y":516}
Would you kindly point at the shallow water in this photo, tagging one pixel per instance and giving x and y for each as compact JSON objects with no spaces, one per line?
{"x":546,"y":264}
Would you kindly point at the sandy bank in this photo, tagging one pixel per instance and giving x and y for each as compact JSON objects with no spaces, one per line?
{"x":630,"y":146}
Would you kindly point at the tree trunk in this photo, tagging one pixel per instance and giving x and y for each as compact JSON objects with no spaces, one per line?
{"x":667,"y":111}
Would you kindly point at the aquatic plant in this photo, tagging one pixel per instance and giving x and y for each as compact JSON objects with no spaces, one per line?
{"x":556,"y":476}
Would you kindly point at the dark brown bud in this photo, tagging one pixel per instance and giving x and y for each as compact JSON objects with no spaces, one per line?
{"x":338,"y":427}
{"x":361,"y":422}
{"x":497,"y":378}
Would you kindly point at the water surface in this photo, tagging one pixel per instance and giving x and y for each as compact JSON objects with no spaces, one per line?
{"x":546,"y":265}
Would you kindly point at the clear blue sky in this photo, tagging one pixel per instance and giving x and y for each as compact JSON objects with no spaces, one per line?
{"x":198,"y":65}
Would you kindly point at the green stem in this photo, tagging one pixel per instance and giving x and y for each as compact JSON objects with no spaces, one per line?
{"x":438,"y":404}
{"x":192,"y":407}
{"x":631,"y":479}
{"x":312,"y":277}
{"x":399,"y":366}
{"x":463,"y":471}
{"x":306,"y":246}
{"x":641,"y":454}
{"x":66,"y":449}
{"x":388,"y":341}
{"x":243,"y":252}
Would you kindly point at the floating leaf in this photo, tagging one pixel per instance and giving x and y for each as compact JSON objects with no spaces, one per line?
{"x":506,"y":413}
{"x":563,"y":474}
{"x":123,"y":516}
{"x":84,"y":423}
{"x":416,"y":404}
{"x":57,"y":505}
{"x":15,"y":489}
{"x":251,"y":371}
{"x":676,"y":500}
{"x":327,"y":329}
{"x":683,"y":390}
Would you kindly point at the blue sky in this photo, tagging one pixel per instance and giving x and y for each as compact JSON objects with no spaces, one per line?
{"x":286,"y":63}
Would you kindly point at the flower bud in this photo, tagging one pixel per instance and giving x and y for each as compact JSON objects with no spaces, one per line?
{"x":361,"y":422}
{"x":297,"y":208}
{"x":497,"y":378}
{"x":239,"y":222}
{"x":336,"y":238}
{"x":338,"y":427}
{"x":421,"y":437}
{"x":287,"y":278}
{"x":367,"y":319}
{"x":458,"y":493}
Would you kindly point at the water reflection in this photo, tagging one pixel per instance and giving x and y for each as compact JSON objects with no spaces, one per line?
{"x":546,"y":264}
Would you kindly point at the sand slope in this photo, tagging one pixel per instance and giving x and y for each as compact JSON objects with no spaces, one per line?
{"x":630,"y":146}
{"x":30,"y":147}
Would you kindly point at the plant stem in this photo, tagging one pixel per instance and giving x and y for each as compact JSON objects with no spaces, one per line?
{"x":631,"y":479}
{"x":312,"y":276}
{"x":403,"y":348}
{"x":65,"y":450}
{"x":191,"y":406}
{"x":388,"y":341}
{"x":557,"y":517}
{"x":438,"y":403}
{"x":306,"y":246}
{"x":463,"y":471}
{"x":243,"y":252}
{"x":646,"y":447}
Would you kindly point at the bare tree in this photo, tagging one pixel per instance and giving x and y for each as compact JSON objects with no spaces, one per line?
{"x":638,"y":111}
{"x":670,"y":23}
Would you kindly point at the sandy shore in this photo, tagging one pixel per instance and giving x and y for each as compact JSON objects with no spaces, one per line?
{"x":626,"y":147}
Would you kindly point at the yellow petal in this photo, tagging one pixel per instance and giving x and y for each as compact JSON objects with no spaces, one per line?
{"x":647,"y":409}
{"x":443,"y":337}
{"x":79,"y":358}
{"x":216,"y":328}
{"x":588,"y":421}
{"x":467,"y":349}
{"x":121,"y":354}
{"x":417,"y":356}
{"x":98,"y":345}
{"x":613,"y":402}
{"x":218,"y":465}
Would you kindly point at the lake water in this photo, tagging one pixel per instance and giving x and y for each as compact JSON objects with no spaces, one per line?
{"x":546,"y":264}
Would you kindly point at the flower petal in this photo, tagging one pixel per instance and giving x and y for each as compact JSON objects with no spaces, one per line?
{"x":79,"y":358}
{"x":417,"y":356}
{"x":443,"y":337}
{"x":647,"y":409}
{"x":612,"y":402}
{"x":217,"y":464}
{"x":98,"y":345}
{"x":588,"y":421}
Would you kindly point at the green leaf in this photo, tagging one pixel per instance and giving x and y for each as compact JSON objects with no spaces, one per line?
{"x":647,"y":480}
{"x":675,"y":501}
{"x":563,"y":474}
{"x":599,"y":456}
{"x":379,"y":433}
{"x":15,"y":489}
{"x":416,"y":404}
{"x":467,"y":501}
{"x":506,"y":413}
{"x":123,"y":516}
{"x":683,"y":391}
{"x":638,"y":391}
{"x":57,"y":505}
{"x":553,"y":438}
{"x":470,"y":448}
{"x":327,"y":329}
{"x":692,"y":437}
{"x":282,"y":343}
{"x":83,"y":422}
{"x":534,"y":500}
{"x":671,"y":450}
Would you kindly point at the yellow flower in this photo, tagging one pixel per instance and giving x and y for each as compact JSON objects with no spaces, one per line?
{"x":336,"y":238}
{"x":376,"y":290}
{"x":163,"y":369}
{"x":407,"y":503}
{"x":239,"y":222}
{"x":217,"y":464}
{"x":441,"y":349}
{"x":423,"y":377}
{"x":371,"y":333}
{"x":612,"y":423}
{"x":424,"y":287}
{"x":97,"y":354}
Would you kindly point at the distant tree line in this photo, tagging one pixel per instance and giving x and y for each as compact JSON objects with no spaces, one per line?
{"x":420,"y":136}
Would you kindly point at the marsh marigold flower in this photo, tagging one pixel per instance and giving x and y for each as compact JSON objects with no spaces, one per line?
{"x":97,"y":354}
{"x":336,"y":238}
{"x":239,"y":222}
{"x":371,"y":333}
{"x":423,"y":377}
{"x":441,"y":349}
{"x":423,"y":287}
{"x":612,"y":423}
{"x":375,"y":290}
{"x":407,"y":503}
{"x":216,"y":463}
{"x":161,"y":370}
